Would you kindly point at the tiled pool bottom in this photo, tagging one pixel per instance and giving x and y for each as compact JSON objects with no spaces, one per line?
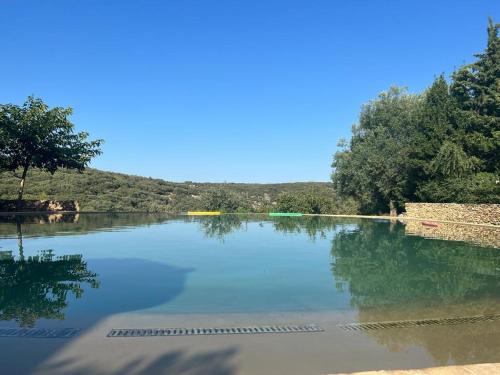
{"x":138,"y":272}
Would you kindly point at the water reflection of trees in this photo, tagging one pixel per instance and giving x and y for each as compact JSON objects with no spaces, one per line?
{"x":214,"y":226}
{"x":383,"y":266}
{"x":396,"y":277}
{"x":313,"y":226}
{"x":465,"y":343}
{"x":38,"y":286}
{"x":220,"y":226}
{"x":66,"y":224}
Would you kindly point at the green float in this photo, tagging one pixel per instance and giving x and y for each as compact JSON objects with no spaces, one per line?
{"x":294,"y":214}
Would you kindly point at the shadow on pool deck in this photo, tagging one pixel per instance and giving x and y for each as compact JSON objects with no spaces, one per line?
{"x":175,"y":362}
{"x":125,"y":285}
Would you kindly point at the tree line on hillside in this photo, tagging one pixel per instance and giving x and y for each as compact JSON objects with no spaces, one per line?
{"x":115,"y":192}
{"x":439,"y":146}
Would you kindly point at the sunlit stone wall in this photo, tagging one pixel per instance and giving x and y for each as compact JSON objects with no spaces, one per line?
{"x":464,"y":213}
{"x":40,"y":206}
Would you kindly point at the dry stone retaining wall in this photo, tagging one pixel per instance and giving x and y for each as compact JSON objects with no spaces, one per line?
{"x":40,"y":206}
{"x":463,"y":213}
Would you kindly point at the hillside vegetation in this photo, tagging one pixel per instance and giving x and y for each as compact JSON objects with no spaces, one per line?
{"x":107,"y":191}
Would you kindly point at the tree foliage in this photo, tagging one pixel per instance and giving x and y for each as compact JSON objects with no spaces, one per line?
{"x":314,"y":202}
{"x":374,"y":167}
{"x":451,"y":161}
{"x":220,"y":200}
{"x":34,"y":136}
{"x":440,"y":146}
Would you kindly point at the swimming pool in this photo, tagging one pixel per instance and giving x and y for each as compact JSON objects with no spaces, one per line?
{"x":81,"y":270}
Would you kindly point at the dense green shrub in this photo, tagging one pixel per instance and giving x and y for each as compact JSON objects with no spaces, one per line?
{"x":219,"y":200}
{"x":477,"y":188}
{"x":313,"y":202}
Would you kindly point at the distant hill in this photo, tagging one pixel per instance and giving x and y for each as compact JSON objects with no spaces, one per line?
{"x":108,"y":191}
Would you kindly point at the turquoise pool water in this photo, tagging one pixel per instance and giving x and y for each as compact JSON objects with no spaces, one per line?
{"x":60,"y":269}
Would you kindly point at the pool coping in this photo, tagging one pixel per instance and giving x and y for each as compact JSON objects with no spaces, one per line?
{"x":472,"y":369}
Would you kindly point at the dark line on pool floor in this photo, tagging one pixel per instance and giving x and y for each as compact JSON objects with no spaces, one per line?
{"x":42,"y":333}
{"x":370,"y":326}
{"x":153,"y":332}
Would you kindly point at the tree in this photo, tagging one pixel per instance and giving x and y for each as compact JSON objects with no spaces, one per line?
{"x":465,"y":168}
{"x":290,"y":202}
{"x":217,"y":199}
{"x":451,"y":161}
{"x":32,"y":135}
{"x":314,"y":202}
{"x":435,"y":124}
{"x":479,"y":187}
{"x":439,"y":146}
{"x":374,"y":167}
{"x":476,"y":89}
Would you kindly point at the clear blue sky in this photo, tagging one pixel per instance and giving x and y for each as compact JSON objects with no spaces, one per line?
{"x":228,"y":90}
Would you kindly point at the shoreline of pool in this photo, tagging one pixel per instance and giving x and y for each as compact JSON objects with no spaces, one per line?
{"x":380,"y":217}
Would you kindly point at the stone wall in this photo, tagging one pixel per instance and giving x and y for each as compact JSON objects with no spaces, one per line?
{"x":39,"y":206}
{"x":463,"y":213}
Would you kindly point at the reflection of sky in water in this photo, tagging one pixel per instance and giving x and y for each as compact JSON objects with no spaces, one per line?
{"x":252,"y":269}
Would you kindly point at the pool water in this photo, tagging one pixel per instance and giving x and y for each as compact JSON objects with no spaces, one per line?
{"x":165,"y":265}
{"x":76,"y":270}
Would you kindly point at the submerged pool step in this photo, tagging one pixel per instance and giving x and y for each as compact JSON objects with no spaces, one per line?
{"x":42,"y":333}
{"x":148,"y":332}
{"x":370,"y":326}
